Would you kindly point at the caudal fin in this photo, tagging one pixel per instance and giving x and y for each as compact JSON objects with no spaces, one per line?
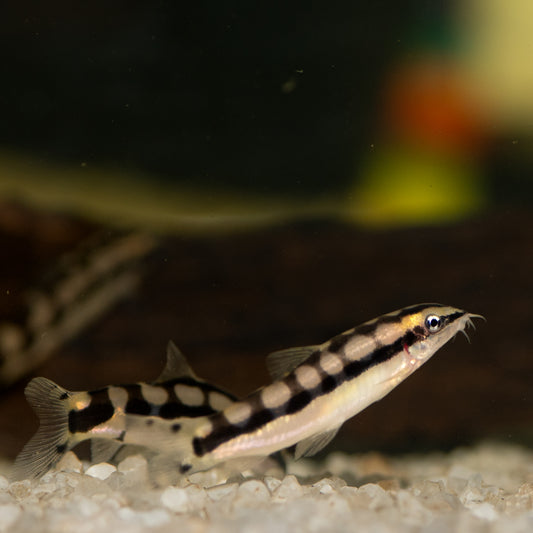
{"x":50,"y":443}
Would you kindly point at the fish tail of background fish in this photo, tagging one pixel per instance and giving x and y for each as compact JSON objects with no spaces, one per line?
{"x":84,"y":285}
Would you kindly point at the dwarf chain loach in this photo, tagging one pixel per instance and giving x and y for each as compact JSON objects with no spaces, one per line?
{"x":190,"y":425}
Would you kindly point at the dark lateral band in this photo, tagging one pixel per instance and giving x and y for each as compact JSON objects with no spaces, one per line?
{"x":301,"y":398}
{"x":100,"y":410}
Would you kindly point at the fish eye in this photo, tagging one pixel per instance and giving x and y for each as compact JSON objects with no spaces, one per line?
{"x":433,"y":323}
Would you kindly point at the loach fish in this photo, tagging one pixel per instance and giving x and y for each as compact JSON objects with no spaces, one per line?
{"x":103,"y":416}
{"x":84,"y":285}
{"x":316,"y":389}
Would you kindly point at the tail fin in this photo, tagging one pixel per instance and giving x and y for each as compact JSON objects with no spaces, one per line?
{"x":51,"y":442}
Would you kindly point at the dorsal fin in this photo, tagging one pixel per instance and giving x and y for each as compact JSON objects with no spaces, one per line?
{"x":176,"y":367}
{"x":314,"y":444}
{"x":284,"y":361}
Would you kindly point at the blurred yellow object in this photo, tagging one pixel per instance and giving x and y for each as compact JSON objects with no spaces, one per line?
{"x":426,"y":169}
{"x":405,"y":187}
{"x":496,"y":52}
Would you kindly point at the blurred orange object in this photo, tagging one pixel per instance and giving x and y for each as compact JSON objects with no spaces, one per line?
{"x":428,"y":104}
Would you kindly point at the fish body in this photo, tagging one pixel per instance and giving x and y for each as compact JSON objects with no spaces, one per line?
{"x":104,"y":415}
{"x":316,"y":389}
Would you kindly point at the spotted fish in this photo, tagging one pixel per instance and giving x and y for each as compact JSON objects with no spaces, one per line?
{"x":104,"y":415}
{"x":316,"y":389}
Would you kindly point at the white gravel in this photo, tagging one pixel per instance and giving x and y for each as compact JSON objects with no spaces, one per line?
{"x":488,"y":488}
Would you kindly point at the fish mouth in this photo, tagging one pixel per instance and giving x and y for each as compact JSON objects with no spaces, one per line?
{"x":469,"y":323}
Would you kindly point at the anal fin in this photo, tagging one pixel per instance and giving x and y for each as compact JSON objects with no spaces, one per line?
{"x":103,"y":450}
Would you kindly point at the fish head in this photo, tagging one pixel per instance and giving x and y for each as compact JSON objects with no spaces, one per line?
{"x":433,"y":325}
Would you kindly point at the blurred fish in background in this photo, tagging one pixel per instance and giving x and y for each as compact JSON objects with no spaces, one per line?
{"x":84,"y":285}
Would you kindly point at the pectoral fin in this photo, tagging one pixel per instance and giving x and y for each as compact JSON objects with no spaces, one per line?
{"x":314,"y":444}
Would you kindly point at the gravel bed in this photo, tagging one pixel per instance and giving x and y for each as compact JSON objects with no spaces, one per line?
{"x":487,"y":488}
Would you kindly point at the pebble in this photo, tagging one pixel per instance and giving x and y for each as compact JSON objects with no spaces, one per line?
{"x":373,"y":497}
{"x":70,"y":463}
{"x":100,"y":471}
{"x":154,"y":518}
{"x":289,"y":489}
{"x":325,"y":486}
{"x":176,"y":499}
{"x":485,"y":511}
{"x":21,"y":489}
{"x":412,"y":508}
{"x":272,"y":483}
{"x":252,"y":491}
{"x":219,"y":492}
{"x":421,"y":497}
{"x":9,"y":514}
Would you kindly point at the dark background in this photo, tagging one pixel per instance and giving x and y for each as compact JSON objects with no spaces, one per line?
{"x":263,"y":96}
{"x":194,"y":89}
